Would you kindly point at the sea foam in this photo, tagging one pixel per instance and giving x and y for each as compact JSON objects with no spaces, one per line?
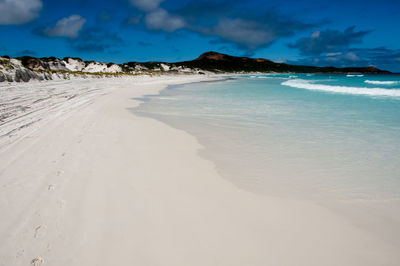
{"x":353,"y":75}
{"x":381,"y":82}
{"x":308,"y":85}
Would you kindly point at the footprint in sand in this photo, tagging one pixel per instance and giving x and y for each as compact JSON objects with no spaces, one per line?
{"x":37,"y":261}
{"x":40,"y":231}
{"x":20,"y":253}
{"x":60,"y":172}
{"x":61,"y":203}
{"x":36,"y":231}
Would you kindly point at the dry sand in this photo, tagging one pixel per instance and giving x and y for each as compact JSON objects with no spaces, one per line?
{"x":89,"y":183}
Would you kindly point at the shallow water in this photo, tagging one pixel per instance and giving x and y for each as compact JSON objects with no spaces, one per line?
{"x":307,"y":135}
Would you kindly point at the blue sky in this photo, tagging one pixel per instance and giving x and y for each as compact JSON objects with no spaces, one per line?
{"x":313,"y":32}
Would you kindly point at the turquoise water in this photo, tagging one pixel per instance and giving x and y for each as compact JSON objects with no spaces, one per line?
{"x":298,"y":134}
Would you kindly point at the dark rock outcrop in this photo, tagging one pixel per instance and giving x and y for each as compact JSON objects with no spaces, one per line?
{"x":33,"y":63}
{"x":44,"y":63}
{"x":26,"y":75}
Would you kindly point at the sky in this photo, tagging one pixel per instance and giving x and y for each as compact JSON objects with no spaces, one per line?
{"x":310,"y":32}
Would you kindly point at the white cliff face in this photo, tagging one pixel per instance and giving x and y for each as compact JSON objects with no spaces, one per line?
{"x":74,"y":64}
{"x":57,"y":65}
{"x":14,"y":61}
{"x":96,"y":67}
{"x":114,"y":68}
{"x":182,"y":69}
{"x":13,"y":70}
{"x":140,"y":68}
{"x":48,"y":69}
{"x":29,"y":68}
{"x":164,"y":67}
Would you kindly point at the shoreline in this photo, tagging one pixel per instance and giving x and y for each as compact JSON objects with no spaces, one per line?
{"x":374,"y":216}
{"x":99,"y":185}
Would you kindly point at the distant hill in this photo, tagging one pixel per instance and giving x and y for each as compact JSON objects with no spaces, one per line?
{"x":217,"y":62}
{"x":26,"y":68}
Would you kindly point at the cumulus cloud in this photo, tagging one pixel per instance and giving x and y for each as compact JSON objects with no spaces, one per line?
{"x":19,"y":11}
{"x":146,"y":5}
{"x":160,"y":19}
{"x":334,"y":48}
{"x":328,"y":41}
{"x":247,"y":28}
{"x":234,"y":22}
{"x":245,"y":34}
{"x":88,"y":39}
{"x":341,"y":59}
{"x":66,"y":27}
{"x":251,"y":33}
{"x":381,"y":57}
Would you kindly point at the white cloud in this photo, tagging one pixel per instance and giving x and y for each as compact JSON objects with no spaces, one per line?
{"x":146,"y":5}
{"x":66,"y":27}
{"x":19,"y":11}
{"x":348,"y":58}
{"x":316,"y":34}
{"x":329,"y":41}
{"x":352,"y":56}
{"x":160,"y":19}
{"x":334,"y":54}
{"x":280,"y":60}
{"x":246,"y":34}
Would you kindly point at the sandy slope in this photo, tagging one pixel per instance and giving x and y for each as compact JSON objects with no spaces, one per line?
{"x":97,"y":185}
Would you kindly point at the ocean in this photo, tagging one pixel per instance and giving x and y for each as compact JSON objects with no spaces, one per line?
{"x":312,"y":136}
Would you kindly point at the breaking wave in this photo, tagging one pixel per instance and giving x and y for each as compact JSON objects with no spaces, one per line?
{"x":353,"y":75}
{"x":379,"y":82}
{"x":306,"y":84}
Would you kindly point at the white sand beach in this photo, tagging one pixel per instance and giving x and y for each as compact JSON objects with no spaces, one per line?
{"x":84,"y":181}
